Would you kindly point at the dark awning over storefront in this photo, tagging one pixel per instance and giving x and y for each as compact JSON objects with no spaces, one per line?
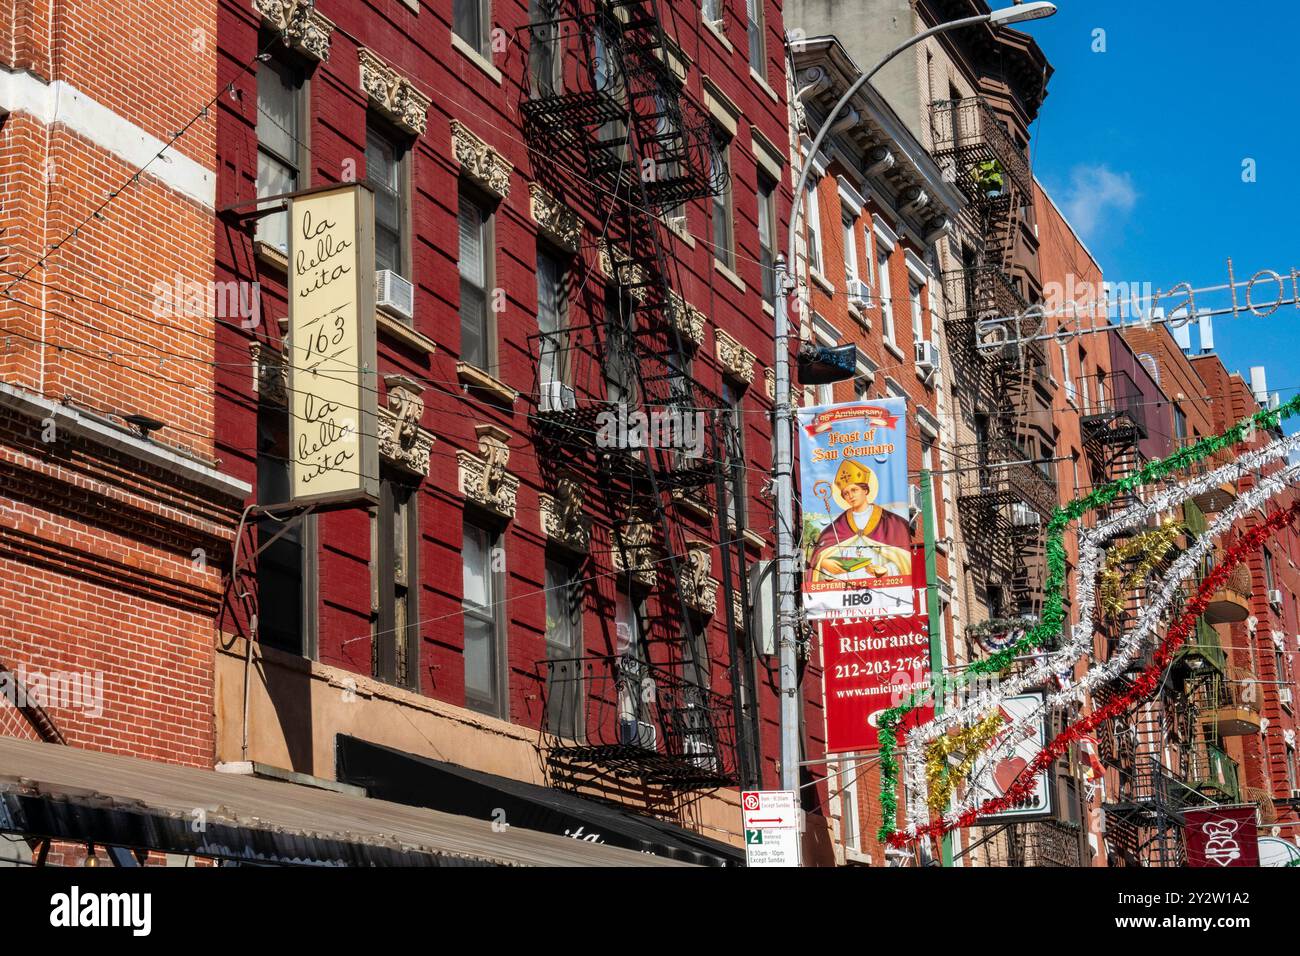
{"x":62,"y":793}
{"x":420,"y":781}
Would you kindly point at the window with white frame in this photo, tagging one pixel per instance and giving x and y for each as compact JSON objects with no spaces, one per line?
{"x":850,"y":250}
{"x":470,"y":21}
{"x":813,"y":219}
{"x":827,"y":335}
{"x":754,"y":26}
{"x":849,"y":821}
{"x":282,"y":159}
{"x":918,"y":311}
{"x":483,"y":583}
{"x":1071,"y":393}
{"x":476,"y":333}
{"x":886,"y":296}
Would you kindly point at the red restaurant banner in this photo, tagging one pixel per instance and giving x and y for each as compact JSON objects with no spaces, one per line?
{"x":868,"y":667}
{"x":1222,"y":836}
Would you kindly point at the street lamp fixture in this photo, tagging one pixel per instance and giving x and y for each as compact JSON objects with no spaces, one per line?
{"x":783,"y":463}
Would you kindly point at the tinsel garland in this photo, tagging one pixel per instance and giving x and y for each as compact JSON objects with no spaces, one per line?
{"x":1144,"y":686}
{"x":1053,"y":611}
{"x":970,"y":742}
{"x":1152,"y":545}
{"x":1186,"y":565}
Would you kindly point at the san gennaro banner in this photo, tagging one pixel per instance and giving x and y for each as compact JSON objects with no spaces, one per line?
{"x":856,"y":532}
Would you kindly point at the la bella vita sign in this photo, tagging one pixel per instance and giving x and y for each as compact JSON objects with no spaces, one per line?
{"x":332,"y":340}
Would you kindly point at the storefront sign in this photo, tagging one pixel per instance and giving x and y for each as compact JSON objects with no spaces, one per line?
{"x":995,"y":771}
{"x":332,"y":378}
{"x":870,"y":666}
{"x":1222,"y":836}
{"x":857,"y":537}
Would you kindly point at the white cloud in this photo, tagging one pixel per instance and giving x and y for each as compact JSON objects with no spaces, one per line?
{"x":1098,"y":196}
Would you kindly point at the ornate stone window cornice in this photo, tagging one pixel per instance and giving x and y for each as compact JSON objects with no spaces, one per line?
{"x":699,"y":590}
{"x":483,"y":478}
{"x":635,"y":551}
{"x":769,"y":385}
{"x":556,"y":220}
{"x":304,"y":28}
{"x":688,"y":320}
{"x":480,"y":162}
{"x":402,"y":441}
{"x":629,"y":273}
{"x":736,"y":360}
{"x":563,"y":520}
{"x":270,"y":374}
{"x":392,"y":94}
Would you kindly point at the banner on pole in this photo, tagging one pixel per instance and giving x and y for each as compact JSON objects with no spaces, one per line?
{"x":869,"y":666}
{"x":856,"y":536}
{"x":1222,"y":836}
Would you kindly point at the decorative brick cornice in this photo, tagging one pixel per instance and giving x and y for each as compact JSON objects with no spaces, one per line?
{"x":270,"y":374}
{"x":305,"y":29}
{"x":556,"y":220}
{"x":483,"y":478}
{"x":699,"y":590}
{"x":393,"y":94}
{"x":402,"y":441}
{"x":480,"y":162}
{"x":688,"y":320}
{"x":736,"y":360}
{"x":563,"y":520}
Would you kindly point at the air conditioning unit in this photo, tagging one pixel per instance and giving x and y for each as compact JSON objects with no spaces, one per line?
{"x":557,"y":397}
{"x":1275,"y":597}
{"x":1285,"y":695}
{"x":927,"y":356}
{"x":913,"y":501}
{"x":1023,"y":516}
{"x":394,"y":295}
{"x":637,"y":733}
{"x":859,"y":293}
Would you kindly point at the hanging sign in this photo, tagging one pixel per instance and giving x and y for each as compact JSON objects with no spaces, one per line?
{"x":857,"y":538}
{"x":331,"y":345}
{"x":869,"y":666}
{"x":1003,"y":761}
{"x":1222,"y":836}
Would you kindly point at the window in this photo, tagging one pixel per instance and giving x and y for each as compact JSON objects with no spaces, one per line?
{"x":1269,"y":581}
{"x":733,"y":399}
{"x":1067,"y":373}
{"x":635,"y":686}
{"x":476,"y":341}
{"x":918,"y":312}
{"x":386,"y":175}
{"x":564,"y":692}
{"x":754,"y":26}
{"x":281,"y":151}
{"x":767,"y":234}
{"x":1293,"y":782}
{"x":813,"y":221}
{"x":620,"y":381}
{"x":850,"y":250}
{"x":724,"y":240}
{"x":483,"y":584}
{"x":544,"y":63}
{"x":848,"y":787}
{"x":886,"y":297}
{"x":396,"y":577}
{"x":551,"y":308}
{"x":930,"y":462}
{"x":286,"y":569}
{"x":1180,"y":424}
{"x":711,"y":10}
{"x":470,"y":22}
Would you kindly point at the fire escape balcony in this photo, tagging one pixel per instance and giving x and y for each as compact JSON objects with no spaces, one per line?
{"x":1204,"y":651}
{"x":1232,"y":705}
{"x":1003,"y":473}
{"x":1213,"y":772}
{"x":577,"y":83}
{"x":989,"y":311}
{"x":622,"y":716}
{"x":972,"y":142}
{"x":1118,"y":415}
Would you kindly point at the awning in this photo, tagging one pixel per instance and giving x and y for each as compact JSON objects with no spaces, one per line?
{"x":48,"y":790}
{"x":420,"y":781}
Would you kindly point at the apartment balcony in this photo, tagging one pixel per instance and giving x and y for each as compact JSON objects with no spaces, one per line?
{"x":1231,"y":603}
{"x":1002,"y":473}
{"x":1235,"y":709}
{"x":1213,"y":773}
{"x":1204,"y":651}
{"x":1113,"y":413}
{"x":576,"y":78}
{"x":973,"y":146}
{"x":619,"y":715}
{"x":990,"y":313}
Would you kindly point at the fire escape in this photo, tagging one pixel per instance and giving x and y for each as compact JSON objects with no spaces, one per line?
{"x":1005,"y":494}
{"x":612,"y":132}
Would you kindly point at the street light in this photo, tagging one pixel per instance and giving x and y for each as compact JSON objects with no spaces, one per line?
{"x":782,"y":464}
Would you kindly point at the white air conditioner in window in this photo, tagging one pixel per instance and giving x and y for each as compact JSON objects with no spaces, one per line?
{"x":637,"y":733}
{"x":913,"y":501}
{"x":394,"y":295}
{"x":1275,"y":597}
{"x":927,"y":356}
{"x":1023,"y":516}
{"x":859,"y":293}
{"x":1284,"y":695}
{"x":557,"y":397}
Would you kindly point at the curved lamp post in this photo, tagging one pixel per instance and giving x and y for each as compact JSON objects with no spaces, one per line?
{"x":782,"y":465}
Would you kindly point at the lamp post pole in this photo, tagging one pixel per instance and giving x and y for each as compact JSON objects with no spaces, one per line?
{"x":782,"y":457}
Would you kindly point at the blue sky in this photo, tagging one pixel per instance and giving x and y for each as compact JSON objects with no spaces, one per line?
{"x":1143,"y":146}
